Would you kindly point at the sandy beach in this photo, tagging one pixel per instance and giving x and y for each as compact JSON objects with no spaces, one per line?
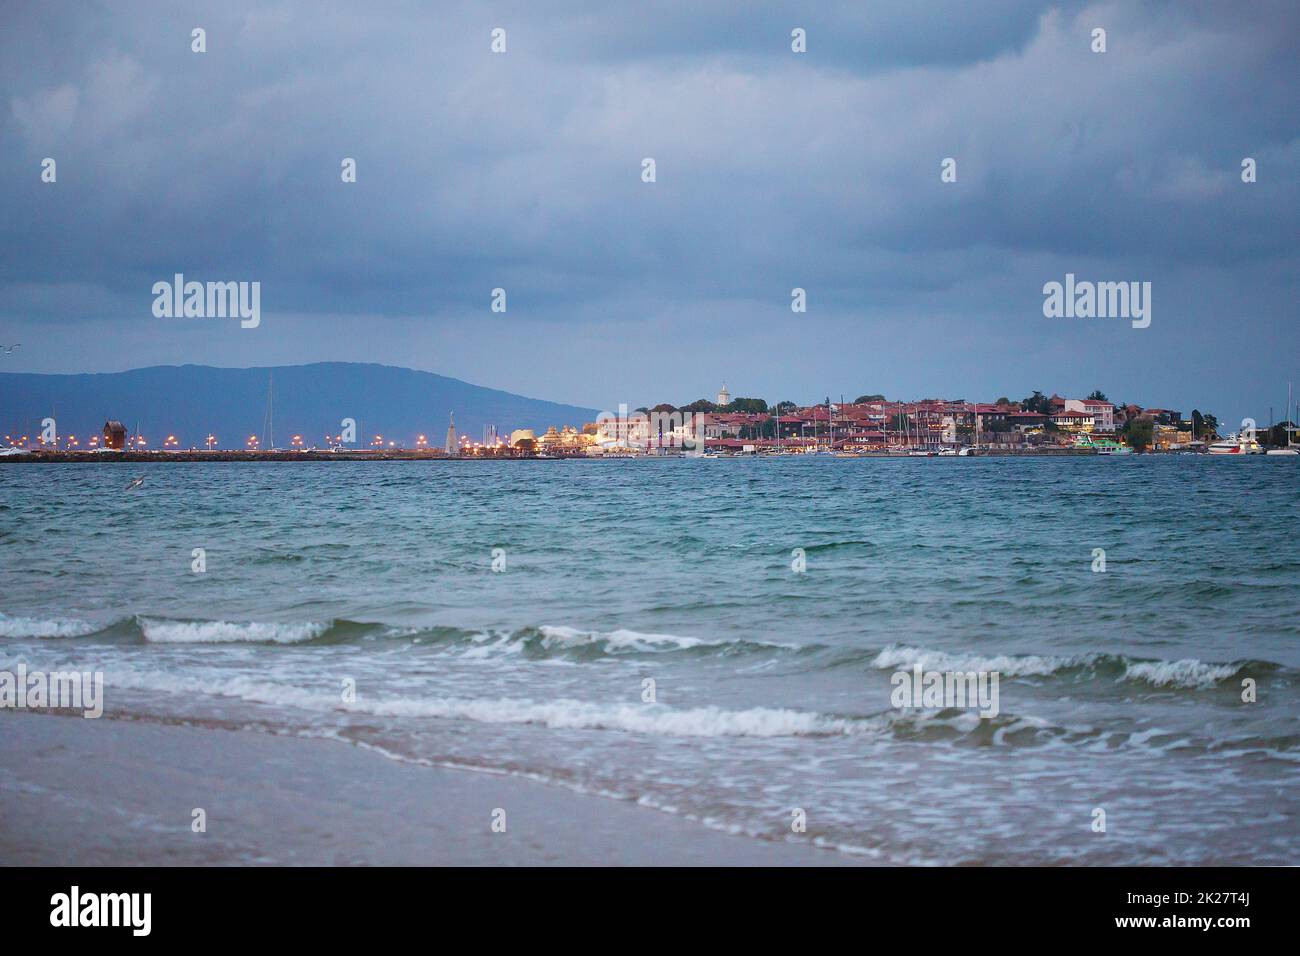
{"x":121,"y":792}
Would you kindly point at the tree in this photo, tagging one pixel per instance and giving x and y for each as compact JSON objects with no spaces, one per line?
{"x":1139,"y":432}
{"x":1098,"y":396}
{"x":1037,"y":402}
{"x":700,"y":405}
{"x":753,"y":406}
{"x":785,"y":408}
{"x":1003,"y":401}
{"x":867,"y":399}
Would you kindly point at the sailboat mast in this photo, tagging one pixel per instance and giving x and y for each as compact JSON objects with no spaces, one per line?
{"x":268,"y":424}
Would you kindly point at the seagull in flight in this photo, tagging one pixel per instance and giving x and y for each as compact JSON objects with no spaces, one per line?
{"x":136,"y":483}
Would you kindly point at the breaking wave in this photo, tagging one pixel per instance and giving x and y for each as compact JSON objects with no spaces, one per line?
{"x":1188,"y":674}
{"x":567,"y":714}
{"x":52,"y":627}
{"x":227,"y":632}
{"x":578,"y":644}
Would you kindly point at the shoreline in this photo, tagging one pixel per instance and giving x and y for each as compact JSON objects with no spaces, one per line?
{"x":121,"y":792}
{"x":86,"y":458}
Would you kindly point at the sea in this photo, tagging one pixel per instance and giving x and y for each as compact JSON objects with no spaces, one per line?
{"x":719,"y":639}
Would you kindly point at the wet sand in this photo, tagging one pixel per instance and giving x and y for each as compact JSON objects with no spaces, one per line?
{"x":121,"y":793}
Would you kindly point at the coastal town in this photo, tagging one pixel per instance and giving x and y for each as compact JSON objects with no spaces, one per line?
{"x":869,"y":425}
{"x":872,"y":425}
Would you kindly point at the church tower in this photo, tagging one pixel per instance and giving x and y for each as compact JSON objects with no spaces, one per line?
{"x":451,"y":447}
{"x":724,"y":396}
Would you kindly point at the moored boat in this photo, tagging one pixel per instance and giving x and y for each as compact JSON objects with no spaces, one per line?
{"x":1236,"y":445}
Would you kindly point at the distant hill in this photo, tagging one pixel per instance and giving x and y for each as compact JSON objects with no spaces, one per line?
{"x":193,"y":401}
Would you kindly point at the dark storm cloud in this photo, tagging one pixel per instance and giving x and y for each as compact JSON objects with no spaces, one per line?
{"x":774,"y":170}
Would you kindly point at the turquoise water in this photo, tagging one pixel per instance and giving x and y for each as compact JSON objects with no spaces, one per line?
{"x":1118,"y":690}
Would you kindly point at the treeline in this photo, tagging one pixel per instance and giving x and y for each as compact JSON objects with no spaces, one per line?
{"x":751,"y":406}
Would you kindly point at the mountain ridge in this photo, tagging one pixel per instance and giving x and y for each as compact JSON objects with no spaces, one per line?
{"x":192,"y":401}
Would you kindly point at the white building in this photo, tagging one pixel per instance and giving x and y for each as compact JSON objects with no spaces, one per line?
{"x":1103,"y":413}
{"x":623,"y":430}
{"x":724,"y":396}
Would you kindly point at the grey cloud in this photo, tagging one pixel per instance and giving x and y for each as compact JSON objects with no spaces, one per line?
{"x":775,"y":170}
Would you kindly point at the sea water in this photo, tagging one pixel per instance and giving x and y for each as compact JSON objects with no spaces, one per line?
{"x":716,"y":638}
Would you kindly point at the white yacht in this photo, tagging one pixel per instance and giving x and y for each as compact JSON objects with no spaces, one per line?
{"x":1236,"y":445}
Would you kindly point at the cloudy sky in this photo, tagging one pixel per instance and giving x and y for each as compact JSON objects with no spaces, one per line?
{"x":775,"y":170}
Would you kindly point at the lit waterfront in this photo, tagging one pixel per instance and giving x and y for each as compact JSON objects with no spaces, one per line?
{"x":868,"y":426}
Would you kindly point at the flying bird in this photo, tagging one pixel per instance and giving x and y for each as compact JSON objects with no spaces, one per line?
{"x":136,"y":483}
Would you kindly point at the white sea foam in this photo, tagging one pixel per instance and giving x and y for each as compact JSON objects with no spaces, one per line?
{"x":1185,"y":673}
{"x":493,"y":644}
{"x":52,"y":627}
{"x":228,"y":632}
{"x":635,"y":718}
{"x":561,"y":636}
{"x":900,"y":655}
{"x":624,"y":639}
{"x":1189,"y":673}
{"x":565,"y":714}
